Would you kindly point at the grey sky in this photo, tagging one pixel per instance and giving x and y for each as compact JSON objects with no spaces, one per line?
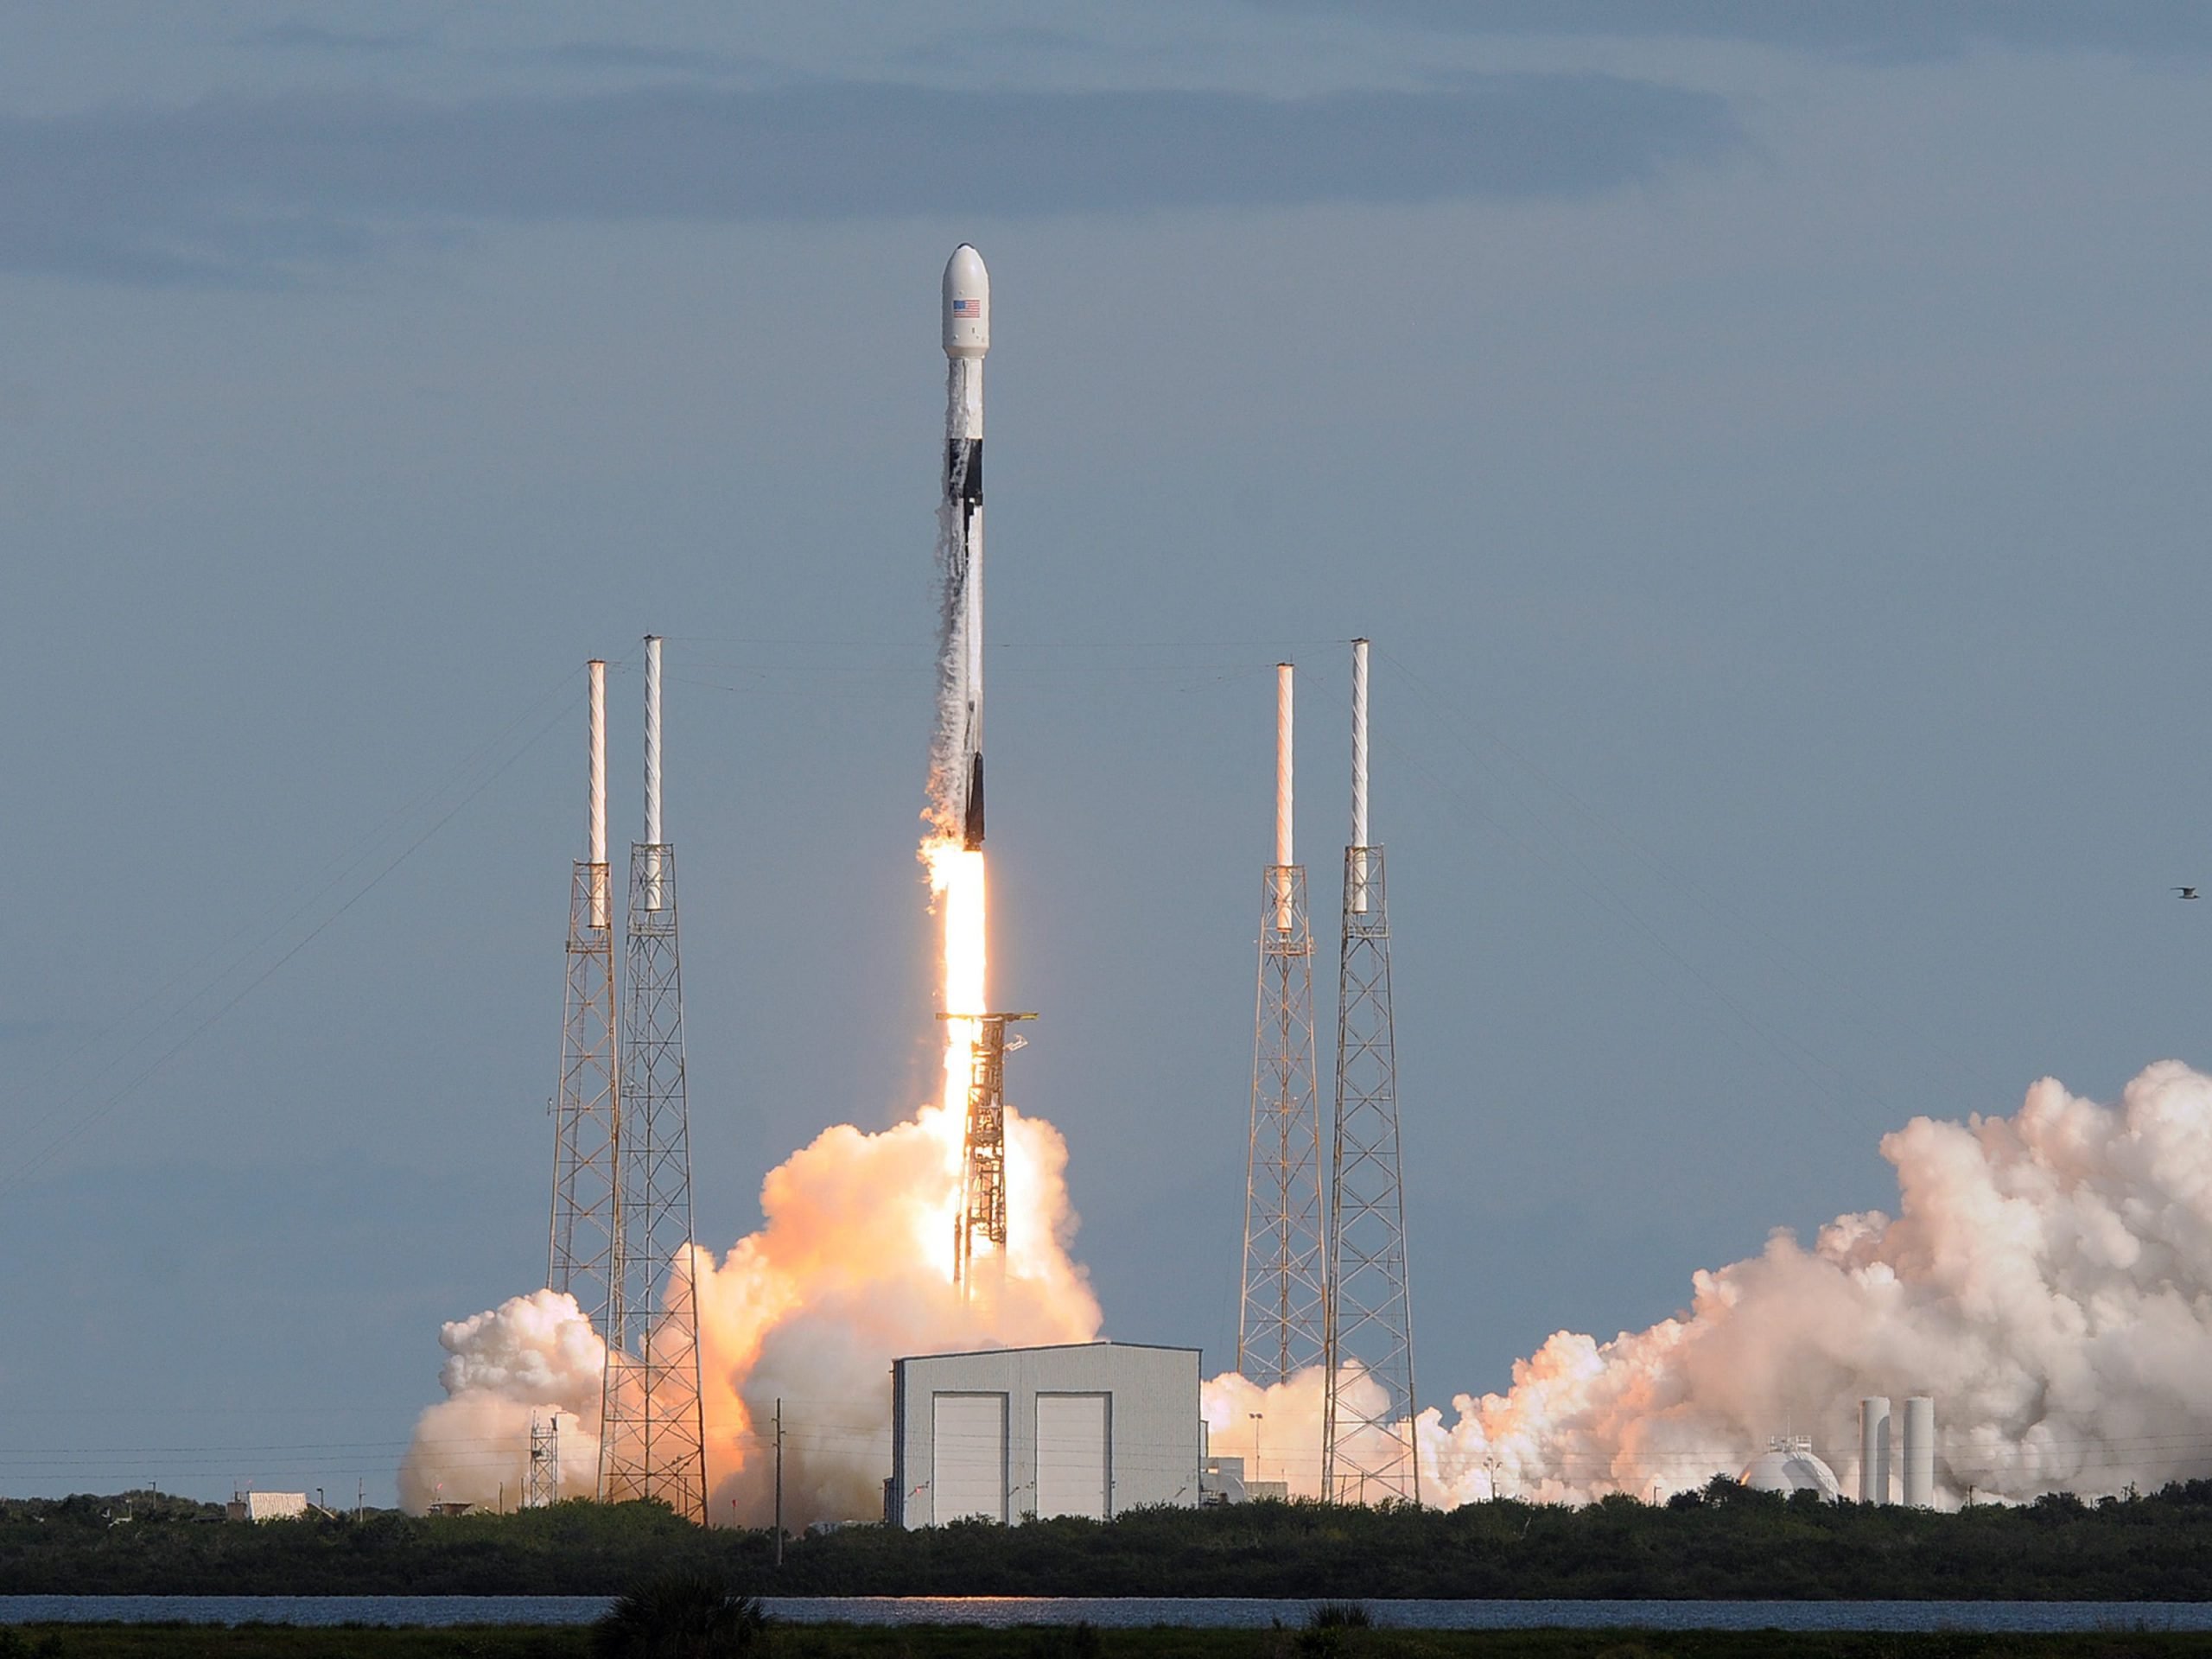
{"x":1881,"y":30}
{"x":250,"y":189}
{"x":1771,"y":469}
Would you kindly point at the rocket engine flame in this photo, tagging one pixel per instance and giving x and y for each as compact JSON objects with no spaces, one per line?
{"x":850,"y":1269}
{"x":2047,"y":1278}
{"x":958,"y":894}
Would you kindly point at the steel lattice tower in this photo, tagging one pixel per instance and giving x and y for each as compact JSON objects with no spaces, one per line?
{"x":982,"y":1149}
{"x":653,"y":1434}
{"x":1279,"y":1331}
{"x":1367,"y":1435}
{"x":586,"y":1218}
{"x":541,"y":1487}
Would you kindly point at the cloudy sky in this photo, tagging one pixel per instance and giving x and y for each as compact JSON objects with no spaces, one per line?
{"x":1766,"y":445}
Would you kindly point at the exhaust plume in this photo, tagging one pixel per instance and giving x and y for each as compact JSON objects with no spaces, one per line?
{"x":2047,"y":1279}
{"x":850,"y":1269}
{"x":532,"y":1356}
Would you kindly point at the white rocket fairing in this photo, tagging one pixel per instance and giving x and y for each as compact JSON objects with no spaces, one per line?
{"x":960,"y":722}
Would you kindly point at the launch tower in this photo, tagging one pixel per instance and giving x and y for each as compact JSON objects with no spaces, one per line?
{"x":585,"y":1218}
{"x":982,"y":1151}
{"x":1281,"y":1329}
{"x":1367,"y":1445}
{"x":540,"y":1488}
{"x":652,"y":1435}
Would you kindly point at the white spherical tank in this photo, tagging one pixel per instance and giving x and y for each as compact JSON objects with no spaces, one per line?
{"x":1788,"y":1465}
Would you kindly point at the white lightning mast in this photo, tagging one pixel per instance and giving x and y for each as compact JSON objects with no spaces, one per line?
{"x":586,"y":1215}
{"x":1367,"y":1451}
{"x":1279,"y":1331}
{"x":653,"y":1431}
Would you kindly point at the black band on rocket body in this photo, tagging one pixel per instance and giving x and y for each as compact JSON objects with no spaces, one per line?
{"x":966,"y":481}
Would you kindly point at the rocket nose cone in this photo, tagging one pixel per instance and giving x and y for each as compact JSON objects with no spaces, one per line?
{"x":966,"y":304}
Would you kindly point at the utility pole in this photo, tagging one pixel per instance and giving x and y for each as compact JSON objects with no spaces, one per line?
{"x":779,"y":1483}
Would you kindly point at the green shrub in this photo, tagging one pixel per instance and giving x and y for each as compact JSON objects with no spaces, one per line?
{"x":1339,"y":1616}
{"x":681,"y":1615}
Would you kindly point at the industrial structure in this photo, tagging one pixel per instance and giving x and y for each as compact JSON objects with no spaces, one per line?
{"x":652,"y":1432}
{"x":1789,"y":1465}
{"x":1874,"y":1450}
{"x":1898,"y":1467}
{"x":1014,"y":1434}
{"x":1281,"y":1328}
{"x":581,"y":1260}
{"x":1366,"y":1433}
{"x":1918,"y":1454}
{"x":983,"y":1147}
{"x":267,"y":1506}
{"x":541,"y":1484}
{"x":621,"y":1154}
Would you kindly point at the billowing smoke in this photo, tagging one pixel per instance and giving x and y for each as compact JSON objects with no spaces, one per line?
{"x":533,"y":1357}
{"x":846,"y":1274}
{"x":2048,"y":1280}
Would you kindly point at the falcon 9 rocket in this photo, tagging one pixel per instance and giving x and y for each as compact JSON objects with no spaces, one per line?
{"x":959,"y":781}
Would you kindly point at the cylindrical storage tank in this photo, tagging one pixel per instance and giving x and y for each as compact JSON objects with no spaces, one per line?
{"x":1874,"y":1449}
{"x":1920,"y":1452}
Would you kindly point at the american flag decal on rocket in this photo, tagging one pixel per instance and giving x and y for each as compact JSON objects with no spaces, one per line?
{"x":967,"y":307}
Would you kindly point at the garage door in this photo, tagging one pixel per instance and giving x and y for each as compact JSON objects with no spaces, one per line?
{"x":1071,"y":1446}
{"x":968,"y":1455}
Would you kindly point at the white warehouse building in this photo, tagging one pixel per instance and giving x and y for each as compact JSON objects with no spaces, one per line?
{"x":1011,"y":1434}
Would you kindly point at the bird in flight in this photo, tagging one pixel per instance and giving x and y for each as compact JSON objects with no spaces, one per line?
{"x":2186,"y":893}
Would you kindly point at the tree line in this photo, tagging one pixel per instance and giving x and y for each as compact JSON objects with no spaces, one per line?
{"x":1723,"y":1542}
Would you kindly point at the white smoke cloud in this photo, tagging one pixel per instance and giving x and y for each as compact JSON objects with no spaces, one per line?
{"x":532,"y":1356}
{"x":846,"y":1274}
{"x":2047,"y":1278}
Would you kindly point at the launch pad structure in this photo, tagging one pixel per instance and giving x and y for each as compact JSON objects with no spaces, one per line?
{"x":1367,"y":1435}
{"x":541,"y":1486}
{"x":652,"y":1429}
{"x":581,"y":1260}
{"x":983,"y":1147}
{"x":1280,"y":1327}
{"x":622,"y":1218}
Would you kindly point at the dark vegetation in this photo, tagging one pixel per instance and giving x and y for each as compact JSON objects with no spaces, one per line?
{"x":942,"y":1642}
{"x":1725,"y":1543}
{"x":681,"y":1615}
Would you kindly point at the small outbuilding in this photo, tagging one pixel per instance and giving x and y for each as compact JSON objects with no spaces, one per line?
{"x":1014,"y":1435}
{"x":267,"y":1506}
